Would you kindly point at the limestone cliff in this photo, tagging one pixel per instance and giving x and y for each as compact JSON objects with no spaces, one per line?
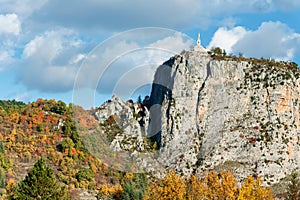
{"x":220,"y":112}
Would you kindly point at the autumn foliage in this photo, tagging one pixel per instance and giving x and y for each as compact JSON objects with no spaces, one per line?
{"x":221,"y":186}
{"x":171,"y":187}
{"x":252,"y":190}
{"x":46,"y":128}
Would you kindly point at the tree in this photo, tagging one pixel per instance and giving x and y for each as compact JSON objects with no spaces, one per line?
{"x":5,"y":162}
{"x":11,"y":106}
{"x":131,"y":192}
{"x":171,"y":187}
{"x":220,"y":185}
{"x":85,"y":179}
{"x":252,"y":190}
{"x":196,"y":189}
{"x":40,"y":183}
{"x":69,"y":129}
{"x":85,"y":175}
{"x":294,"y":187}
{"x":107,"y":192}
{"x":228,"y":185}
{"x":2,"y":180}
{"x":1,"y":147}
{"x":217,"y":51}
{"x":67,"y":144}
{"x":213,"y":185}
{"x":139,"y":100}
{"x":60,"y":108}
{"x":134,"y":186}
{"x":69,"y":126}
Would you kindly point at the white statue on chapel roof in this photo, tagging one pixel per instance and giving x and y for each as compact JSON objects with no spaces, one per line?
{"x":198,"y":47}
{"x":198,"y":40}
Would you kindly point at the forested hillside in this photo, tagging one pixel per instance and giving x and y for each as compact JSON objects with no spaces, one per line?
{"x":41,"y":145}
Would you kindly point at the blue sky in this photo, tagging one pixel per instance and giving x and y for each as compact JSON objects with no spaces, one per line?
{"x":45,"y":45}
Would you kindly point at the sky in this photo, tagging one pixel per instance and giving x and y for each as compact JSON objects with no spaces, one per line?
{"x":84,"y":51}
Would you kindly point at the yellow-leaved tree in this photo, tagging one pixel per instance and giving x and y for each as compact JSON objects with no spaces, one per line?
{"x":110,"y":192}
{"x":196,"y":189}
{"x":253,"y":190}
{"x":172,"y":187}
{"x":214,"y":185}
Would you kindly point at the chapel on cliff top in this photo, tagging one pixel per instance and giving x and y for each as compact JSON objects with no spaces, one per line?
{"x":198,"y":47}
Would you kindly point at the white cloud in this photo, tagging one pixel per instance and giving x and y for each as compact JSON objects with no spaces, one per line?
{"x":117,"y":15}
{"x":250,"y":6}
{"x":10,"y":24}
{"x":120,"y":15}
{"x":286,"y":4}
{"x":23,"y":8}
{"x":271,"y":39}
{"x":48,"y":45}
{"x":139,"y":66}
{"x":127,"y":61}
{"x":77,"y":58}
{"x":176,"y":43}
{"x":51,"y":55}
{"x":48,"y":63}
{"x":225,"y":38}
{"x":4,"y":56}
{"x":18,"y":96}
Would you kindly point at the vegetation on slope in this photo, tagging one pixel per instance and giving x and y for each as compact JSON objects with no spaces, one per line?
{"x":46,"y":128}
{"x":40,"y":183}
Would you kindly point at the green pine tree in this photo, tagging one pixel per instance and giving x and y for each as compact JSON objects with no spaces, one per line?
{"x":134,"y":189}
{"x":2,"y":179}
{"x":139,"y":100}
{"x":40,"y":183}
{"x":1,"y":147}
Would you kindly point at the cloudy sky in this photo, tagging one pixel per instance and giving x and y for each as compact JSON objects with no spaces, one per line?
{"x":49,"y":48}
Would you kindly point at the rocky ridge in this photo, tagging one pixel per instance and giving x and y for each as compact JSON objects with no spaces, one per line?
{"x":213,"y":112}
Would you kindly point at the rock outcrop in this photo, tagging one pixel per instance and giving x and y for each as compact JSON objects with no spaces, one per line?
{"x":212,"y":112}
{"x":130,"y":119}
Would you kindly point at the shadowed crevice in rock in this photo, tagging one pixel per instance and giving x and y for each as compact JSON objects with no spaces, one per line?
{"x":161,"y":89}
{"x":200,"y":135}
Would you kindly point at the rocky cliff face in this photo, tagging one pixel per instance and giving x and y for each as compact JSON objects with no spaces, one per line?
{"x":222,"y":113}
{"x":130,"y":120}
